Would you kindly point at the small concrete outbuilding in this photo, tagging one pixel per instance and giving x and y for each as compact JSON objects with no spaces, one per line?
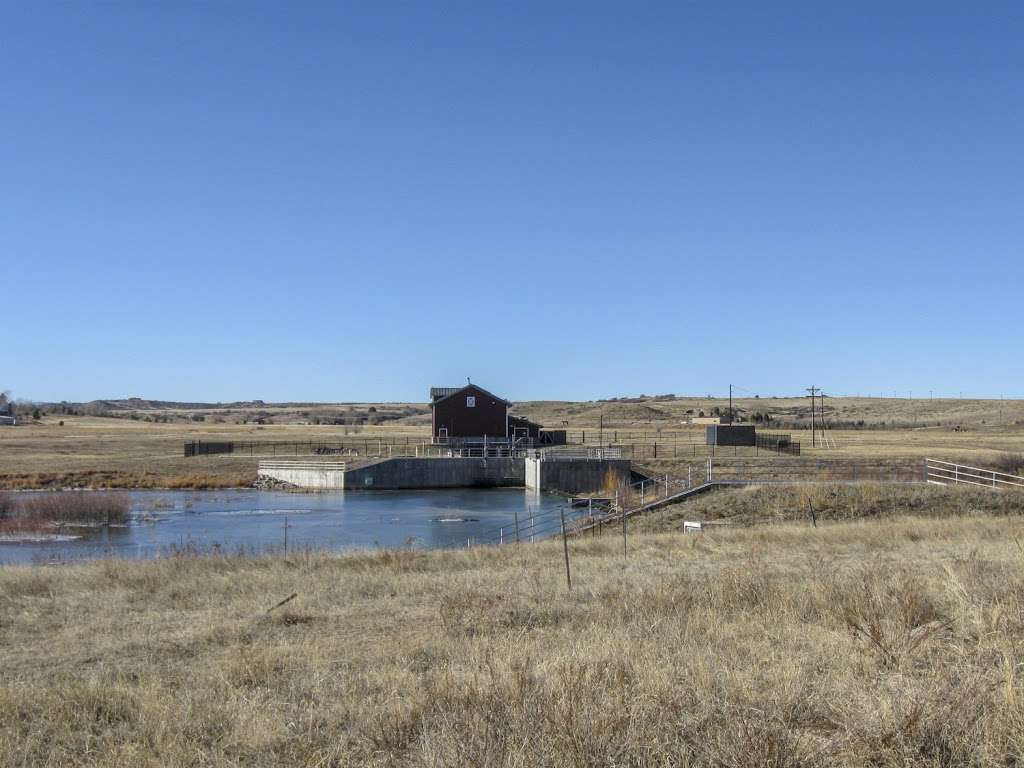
{"x":731,"y":434}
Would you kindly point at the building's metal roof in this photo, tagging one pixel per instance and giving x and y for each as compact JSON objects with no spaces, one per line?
{"x":438,"y":394}
{"x":524,"y":420}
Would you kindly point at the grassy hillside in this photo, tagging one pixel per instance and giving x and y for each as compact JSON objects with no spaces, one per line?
{"x":893,"y":642}
{"x":868,"y":412}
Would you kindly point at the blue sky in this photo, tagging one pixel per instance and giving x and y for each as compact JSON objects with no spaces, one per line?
{"x":356,"y":201}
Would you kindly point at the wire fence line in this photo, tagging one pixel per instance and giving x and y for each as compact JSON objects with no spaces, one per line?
{"x":670,"y":448}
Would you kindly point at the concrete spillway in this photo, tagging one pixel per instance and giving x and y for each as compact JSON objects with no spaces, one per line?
{"x":576,"y":476}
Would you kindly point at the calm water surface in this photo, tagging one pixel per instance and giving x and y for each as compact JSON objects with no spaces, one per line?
{"x":255,"y":521}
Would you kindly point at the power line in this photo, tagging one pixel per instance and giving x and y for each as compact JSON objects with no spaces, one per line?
{"x":813,"y":390}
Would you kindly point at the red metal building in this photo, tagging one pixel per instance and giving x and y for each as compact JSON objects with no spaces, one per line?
{"x":467,"y":412}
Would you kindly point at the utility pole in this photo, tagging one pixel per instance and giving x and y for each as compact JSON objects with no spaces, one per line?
{"x":730,"y":403}
{"x":813,"y":390}
{"x":600,"y":421}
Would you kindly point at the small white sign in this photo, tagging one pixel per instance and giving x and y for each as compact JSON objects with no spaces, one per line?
{"x":470,"y":402}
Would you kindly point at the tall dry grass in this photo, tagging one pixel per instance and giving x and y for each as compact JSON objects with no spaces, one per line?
{"x":783,"y":503}
{"x":39,"y":512}
{"x":1011,"y":463}
{"x":896,"y":641}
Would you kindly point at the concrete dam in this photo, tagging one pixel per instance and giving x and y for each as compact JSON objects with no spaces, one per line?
{"x":564,"y":475}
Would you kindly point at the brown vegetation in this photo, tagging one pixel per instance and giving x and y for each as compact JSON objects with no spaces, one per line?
{"x":1010,"y":463}
{"x":121,"y":479}
{"x":790,"y":503}
{"x":890,"y":642}
{"x":44,"y":512}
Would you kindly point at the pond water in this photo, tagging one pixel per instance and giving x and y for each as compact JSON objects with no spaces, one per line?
{"x":166,"y":522}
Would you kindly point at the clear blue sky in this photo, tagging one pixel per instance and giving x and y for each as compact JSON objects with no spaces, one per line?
{"x":355,"y":201}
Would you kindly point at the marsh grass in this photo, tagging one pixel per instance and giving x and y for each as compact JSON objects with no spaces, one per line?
{"x":890,"y":641}
{"x":43,"y":512}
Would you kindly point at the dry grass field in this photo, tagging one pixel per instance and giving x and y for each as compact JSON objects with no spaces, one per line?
{"x":128,"y":451}
{"x":773,"y":504}
{"x":890,"y":641}
{"x":108,"y":452}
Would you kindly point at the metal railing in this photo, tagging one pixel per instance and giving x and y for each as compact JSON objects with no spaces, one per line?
{"x":579,"y":454}
{"x":784,"y":471}
{"x":604,"y":509}
{"x":948,"y":473}
{"x":315,"y":466}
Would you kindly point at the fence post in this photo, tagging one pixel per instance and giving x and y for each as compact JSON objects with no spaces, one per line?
{"x":622,"y":512}
{"x":516,"y":513}
{"x":709,"y":469}
{"x":565,"y":549}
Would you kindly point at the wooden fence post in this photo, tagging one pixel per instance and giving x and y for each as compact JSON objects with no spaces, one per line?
{"x":565,"y":549}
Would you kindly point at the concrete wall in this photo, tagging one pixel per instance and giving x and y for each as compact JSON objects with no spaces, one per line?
{"x":532,"y":473}
{"x":409,"y":473}
{"x":582,"y":476}
{"x":589,"y":476}
{"x":315,"y":479}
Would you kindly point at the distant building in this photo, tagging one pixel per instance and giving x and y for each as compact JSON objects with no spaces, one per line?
{"x":7,"y":414}
{"x":731,"y":435}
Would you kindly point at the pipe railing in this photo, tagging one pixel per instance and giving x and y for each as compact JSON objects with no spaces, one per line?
{"x":948,"y":473}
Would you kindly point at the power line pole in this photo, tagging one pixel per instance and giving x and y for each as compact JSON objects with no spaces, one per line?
{"x":730,"y":403}
{"x":813,"y":390}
